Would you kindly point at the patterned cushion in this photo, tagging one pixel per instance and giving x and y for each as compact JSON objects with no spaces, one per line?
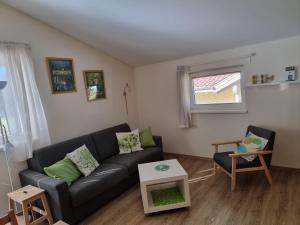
{"x":251,"y":143}
{"x":129,"y":141}
{"x":84,"y":160}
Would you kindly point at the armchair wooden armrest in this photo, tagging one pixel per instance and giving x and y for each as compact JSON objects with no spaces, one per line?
{"x":261,"y":152}
{"x":227,"y":143}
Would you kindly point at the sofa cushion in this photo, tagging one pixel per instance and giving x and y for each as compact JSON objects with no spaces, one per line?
{"x":51,"y":154}
{"x":129,"y":142}
{"x":84,"y":160}
{"x":64,"y":170}
{"x":133,"y":159}
{"x":224,"y":160}
{"x":106,"y":141}
{"x":103,"y":178}
{"x":146,"y":138}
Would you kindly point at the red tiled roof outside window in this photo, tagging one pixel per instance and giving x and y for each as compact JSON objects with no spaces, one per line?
{"x":211,"y":82}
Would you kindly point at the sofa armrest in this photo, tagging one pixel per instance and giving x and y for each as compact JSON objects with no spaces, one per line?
{"x":158,"y":141}
{"x":57,"y":192}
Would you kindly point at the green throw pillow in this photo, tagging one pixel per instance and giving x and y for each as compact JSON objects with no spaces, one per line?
{"x":129,"y":141}
{"x":64,"y":170}
{"x":84,"y":160}
{"x":146,"y":138}
{"x":251,"y":143}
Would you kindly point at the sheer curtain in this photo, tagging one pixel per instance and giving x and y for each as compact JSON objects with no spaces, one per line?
{"x":184,"y":103}
{"x":20,"y":102}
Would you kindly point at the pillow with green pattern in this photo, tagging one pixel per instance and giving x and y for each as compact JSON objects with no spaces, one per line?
{"x":64,"y":170}
{"x":251,"y":143}
{"x":84,"y":160}
{"x":129,"y":141}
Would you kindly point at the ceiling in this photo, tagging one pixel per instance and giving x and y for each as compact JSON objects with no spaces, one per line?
{"x":140,"y":32}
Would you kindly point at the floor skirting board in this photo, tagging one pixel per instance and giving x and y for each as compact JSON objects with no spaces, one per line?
{"x":176,"y":155}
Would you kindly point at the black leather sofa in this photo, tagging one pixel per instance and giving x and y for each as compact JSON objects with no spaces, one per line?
{"x":115,"y":174}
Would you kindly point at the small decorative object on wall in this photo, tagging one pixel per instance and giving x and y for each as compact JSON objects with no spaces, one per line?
{"x":262,"y":79}
{"x":254,"y":79}
{"x":61,"y":75}
{"x":94,"y":84}
{"x":290,"y":72}
{"x":126,"y":88}
{"x":269,"y":78}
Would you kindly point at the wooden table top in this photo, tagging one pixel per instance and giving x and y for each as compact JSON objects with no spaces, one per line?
{"x":24,"y":193}
{"x":148,"y":173}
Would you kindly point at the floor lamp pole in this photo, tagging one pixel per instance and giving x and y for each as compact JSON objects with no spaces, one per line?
{"x":6,"y":146}
{"x":9,"y":170}
{"x":2,"y":132}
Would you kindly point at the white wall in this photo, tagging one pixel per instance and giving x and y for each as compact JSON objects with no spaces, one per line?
{"x":268,"y":106}
{"x":69,"y":115}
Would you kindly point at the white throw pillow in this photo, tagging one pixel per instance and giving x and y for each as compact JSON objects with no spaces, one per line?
{"x":129,"y":141}
{"x":84,"y":160}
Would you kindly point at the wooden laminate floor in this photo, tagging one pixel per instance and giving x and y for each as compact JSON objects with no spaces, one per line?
{"x":253,"y":202}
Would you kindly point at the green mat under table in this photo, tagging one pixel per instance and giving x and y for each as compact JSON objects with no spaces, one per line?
{"x":166,"y":196}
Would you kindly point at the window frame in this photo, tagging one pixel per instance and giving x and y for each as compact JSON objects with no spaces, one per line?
{"x":218,"y":107}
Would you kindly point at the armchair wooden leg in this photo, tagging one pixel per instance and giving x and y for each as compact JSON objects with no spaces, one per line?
{"x":233,"y":174}
{"x":215,"y":168}
{"x":267,"y":171}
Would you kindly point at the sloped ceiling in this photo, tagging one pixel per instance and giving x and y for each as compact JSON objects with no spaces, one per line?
{"x":141,"y":32}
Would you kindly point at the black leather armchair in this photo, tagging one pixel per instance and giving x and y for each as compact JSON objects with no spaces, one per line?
{"x":232,"y":163}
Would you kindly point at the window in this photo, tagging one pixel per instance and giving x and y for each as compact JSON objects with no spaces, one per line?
{"x":3,"y":120}
{"x":218,"y":91}
{"x":24,"y":118}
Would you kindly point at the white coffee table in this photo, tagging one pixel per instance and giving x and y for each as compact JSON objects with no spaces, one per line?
{"x":152,"y":179}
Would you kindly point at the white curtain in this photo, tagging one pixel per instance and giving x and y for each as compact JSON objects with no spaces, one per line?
{"x":184,"y":103}
{"x":20,"y":102}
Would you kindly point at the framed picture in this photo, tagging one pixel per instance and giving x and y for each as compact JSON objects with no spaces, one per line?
{"x":94,"y":84}
{"x":61,"y":75}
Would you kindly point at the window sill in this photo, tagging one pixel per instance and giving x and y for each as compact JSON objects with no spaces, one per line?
{"x":210,"y":111}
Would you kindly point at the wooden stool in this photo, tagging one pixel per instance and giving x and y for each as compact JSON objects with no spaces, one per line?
{"x":26,"y":196}
{"x":9,"y":218}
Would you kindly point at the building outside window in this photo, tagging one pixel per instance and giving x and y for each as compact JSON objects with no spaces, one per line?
{"x":219,"y":90}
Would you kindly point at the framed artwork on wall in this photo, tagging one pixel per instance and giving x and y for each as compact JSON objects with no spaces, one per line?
{"x":61,"y":75}
{"x":94,"y":84}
